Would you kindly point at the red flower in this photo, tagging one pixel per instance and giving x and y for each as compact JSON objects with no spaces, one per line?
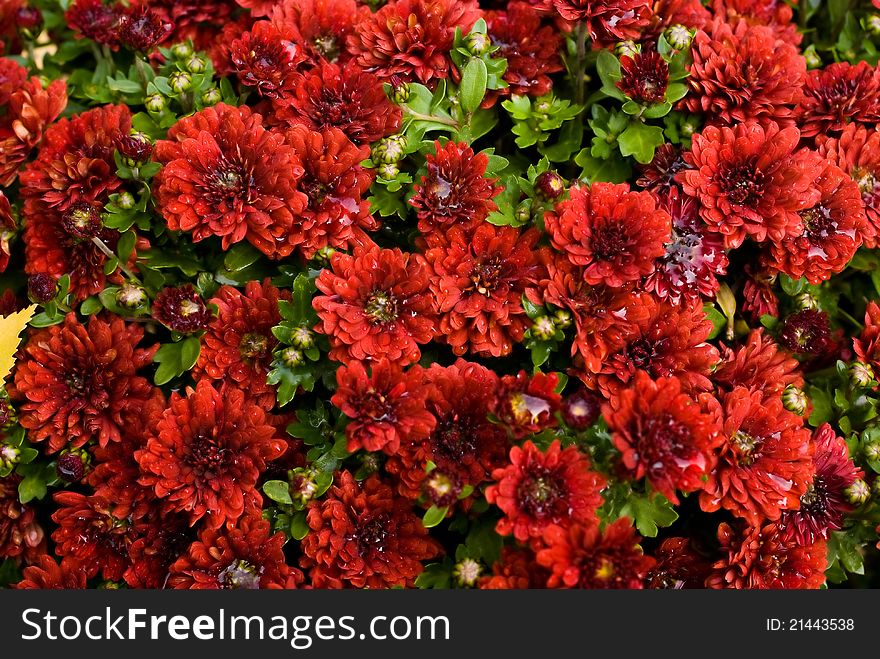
{"x":478,"y":284}
{"x":824,"y":504}
{"x":263,"y":58}
{"x":750,"y":181}
{"x":742,"y":72}
{"x":540,"y":489}
{"x":583,"y":557}
{"x":527,"y":404}
{"x":140,"y":28}
{"x":191,"y":16}
{"x":759,"y":298}
{"x":160,"y":540}
{"x":531,"y":49}
{"x":659,"y":175}
{"x":806,"y":332}
{"x":7,"y":230}
{"x":831,"y":234}
{"x":181,"y":309}
{"x":238,"y":344}
{"x":343,"y":97}
{"x":21,"y":536}
{"x":454,"y":191}
{"x":644,"y":77}
{"x":515,"y":570}
{"x":336,"y":214}
{"x":840,"y":94}
{"x":765,"y":464}
{"x":207,"y":453}
{"x":759,"y":365}
{"x":92,"y":19}
{"x":772,"y":13}
{"x":663,"y":434}
{"x":616,"y":234}
{"x":857,"y":152}
{"x":411,"y":38}
{"x":669,"y":341}
{"x":76,"y":381}
{"x":362,"y":536}
{"x":244,"y":556}
{"x":386,"y":407}
{"x":227,"y":176}
{"x":867,"y":344}
{"x":12,"y":76}
{"x":49,"y":575}
{"x":758,"y":557}
{"x":694,"y":255}
{"x":375,"y":304}
{"x":678,"y":566}
{"x":607,"y":21}
{"x":319,"y":26}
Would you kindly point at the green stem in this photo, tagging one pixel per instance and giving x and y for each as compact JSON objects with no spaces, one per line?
{"x":581,"y":62}
{"x":100,"y":244}
{"x":32,"y":55}
{"x":143,"y":69}
{"x":428,"y":117}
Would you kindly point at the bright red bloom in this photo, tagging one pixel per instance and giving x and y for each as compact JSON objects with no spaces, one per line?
{"x":857,"y":152}
{"x":321,"y":27}
{"x":840,"y":94}
{"x":93,"y":19}
{"x":207,"y":453}
{"x":343,"y":97}
{"x":663,"y":434}
{"x":527,"y":404}
{"x":831,"y":233}
{"x":363,"y":536}
{"x":411,"y":38}
{"x":615,"y":233}
{"x":181,"y":309}
{"x":658,"y":176}
{"x":666,"y":13}
{"x":454,"y":191}
{"x":751,"y":182}
{"x":47,"y":574}
{"x":760,"y":365}
{"x":478,"y":284}
{"x":264,"y":59}
{"x":160,"y":540}
{"x":678,"y":566}
{"x":337,"y":213}
{"x":765,"y":464}
{"x":694,"y":255}
{"x":607,"y":21}
{"x":189,"y":17}
{"x":77,"y":380}
{"x":758,"y":557}
{"x":142,"y":29}
{"x":88,"y":532}
{"x":530,"y":48}
{"x":867,"y":344}
{"x":824,"y":504}
{"x":759,"y":298}
{"x":515,"y":570}
{"x":644,"y":77}
{"x":227,"y":176}
{"x":539,"y":489}
{"x":21,"y":536}
{"x":246,"y":556}
{"x":583,"y":557}
{"x":375,"y":304}
{"x":239,"y":342}
{"x":386,"y":407}
{"x":669,"y":342}
{"x":775,"y":14}
{"x":743,"y":72}
{"x":12,"y":75}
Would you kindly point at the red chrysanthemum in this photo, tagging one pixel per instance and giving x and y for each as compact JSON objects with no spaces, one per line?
{"x":824,"y":504}
{"x":478,"y":283}
{"x":191,"y":16}
{"x":527,"y":404}
{"x":12,"y":75}
{"x":321,"y":27}
{"x":742,"y":72}
{"x":363,"y":536}
{"x":159,"y":541}
{"x":454,"y":191}
{"x":539,"y":489}
{"x":227,"y":176}
{"x":343,"y":97}
{"x":207,"y":453}
{"x":530,"y":48}
{"x":832,"y":230}
{"x":659,"y":175}
{"x":607,"y":21}
{"x":93,"y":19}
{"x":867,"y":344}
{"x":7,"y":230}
{"x":181,"y":309}
{"x":142,"y":29}
{"x":775,"y":14}
{"x":758,"y":557}
{"x":806,"y":332}
{"x":678,"y":566}
{"x":759,"y":365}
{"x":751,"y":182}
{"x":238,"y":343}
{"x":614,"y":233}
{"x":411,"y":38}
{"x":47,"y":574}
{"x":464,"y":445}
{"x":759,"y":298}
{"x":644,"y":77}
{"x":663,"y":435}
{"x":667,"y":13}
{"x":264,"y":59}
{"x":765,"y":464}
{"x":375,"y":304}
{"x":670,"y":341}
{"x":21,"y":536}
{"x":77,"y":380}
{"x":517,"y":569}
{"x":385,"y":408}
{"x":584,"y":557}
{"x":840,"y":94}
{"x":335,"y":184}
{"x":694,"y":255}
{"x":246,"y":556}
{"x":857,"y":151}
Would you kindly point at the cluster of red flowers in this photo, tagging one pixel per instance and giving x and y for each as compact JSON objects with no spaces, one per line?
{"x":277,"y":257}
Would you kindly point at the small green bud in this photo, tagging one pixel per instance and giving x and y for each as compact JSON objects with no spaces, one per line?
{"x":812,"y":58}
{"x":302,"y":337}
{"x":292,"y":357}
{"x":211,"y":97}
{"x":126,"y":201}
{"x":466,"y":572}
{"x":9,"y":456}
{"x":523,"y":212}
{"x":388,"y":170}
{"x":180,"y":82}
{"x":679,"y":37}
{"x":477,"y":43}
{"x":794,"y":400}
{"x":627,"y":48}
{"x":390,"y":149}
{"x":196,"y":64}
{"x":873,"y":24}
{"x":862,"y":375}
{"x":131,"y":297}
{"x":543,"y":328}
{"x":857,"y":493}
{"x":155,"y":103}
{"x":399,"y":92}
{"x":181,"y":51}
{"x":562,"y":318}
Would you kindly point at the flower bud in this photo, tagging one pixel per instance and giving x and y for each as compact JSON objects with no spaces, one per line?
{"x":562,"y":318}
{"x":181,"y":51}
{"x":466,"y":572}
{"x":627,"y":48}
{"x":857,"y":493}
{"x":806,"y":301}
{"x":581,"y":409}
{"x":543,"y":328}
{"x":9,"y":456}
{"x":135,"y":148}
{"x":550,"y":185}
{"x":302,"y":337}
{"x":542,"y":107}
{"x":292,"y":357}
{"x":794,"y":400}
{"x":322,"y":256}
{"x":155,"y":103}
{"x":211,"y":97}
{"x":861,"y":375}
{"x":126,"y":201}
{"x":871,"y":451}
{"x":390,"y":149}
{"x":812,"y":58}
{"x":872,"y":22}
{"x":82,"y":221}
{"x":477,"y":43}
{"x":441,"y":489}
{"x":71,"y":466}
{"x":523,"y":212}
{"x":679,"y":37}
{"x":303,"y":485}
{"x":388,"y":170}
{"x":399,"y":92}
{"x":180,"y":82}
{"x":131,"y":297}
{"x":42,"y":287}
{"x":29,"y":20}
{"x":196,"y":64}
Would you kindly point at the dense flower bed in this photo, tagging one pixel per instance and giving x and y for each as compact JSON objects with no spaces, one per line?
{"x":438,"y":293}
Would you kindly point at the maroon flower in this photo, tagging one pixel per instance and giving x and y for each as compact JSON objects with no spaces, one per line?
{"x":806,"y":332}
{"x":607,"y":21}
{"x":181,"y":309}
{"x":527,"y":404}
{"x":644,"y":77}
{"x":840,"y":94}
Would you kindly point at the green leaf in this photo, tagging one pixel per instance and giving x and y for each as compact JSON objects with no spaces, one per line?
{"x":31,"y":488}
{"x":434,"y":515}
{"x":611,"y":170}
{"x":792,"y":286}
{"x":640,"y":140}
{"x":649,"y":512}
{"x":473,"y":84}
{"x":299,"y":525}
{"x":125,"y":246}
{"x":278,"y":491}
{"x":175,"y":359}
{"x":90,"y":306}
{"x":436,"y":576}
{"x":717,"y":318}
{"x":124,"y":86}
{"x":240,"y":256}
{"x":190,"y":348}
{"x":821,"y":406}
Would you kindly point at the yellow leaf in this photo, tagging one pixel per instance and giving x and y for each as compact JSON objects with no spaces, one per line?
{"x":10,"y":328}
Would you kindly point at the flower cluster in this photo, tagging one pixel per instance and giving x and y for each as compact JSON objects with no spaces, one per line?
{"x":439,"y":293}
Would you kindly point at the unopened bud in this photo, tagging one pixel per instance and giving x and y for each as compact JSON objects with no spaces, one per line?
{"x":794,"y":400}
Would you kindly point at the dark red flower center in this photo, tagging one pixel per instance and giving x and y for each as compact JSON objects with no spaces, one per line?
{"x":207,"y":454}
{"x":743,"y":184}
{"x":487,"y":275}
{"x":818,"y":222}
{"x":253,"y":346}
{"x":372,"y":533}
{"x":814,"y":502}
{"x":666,"y":443}
{"x":381,"y":308}
{"x":610,"y":241}
{"x":642,"y":353}
{"x":747,"y":447}
{"x":376,"y":406}
{"x":82,"y":221}
{"x":454,"y":439}
{"x":229,"y":182}
{"x":541,"y":493}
